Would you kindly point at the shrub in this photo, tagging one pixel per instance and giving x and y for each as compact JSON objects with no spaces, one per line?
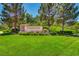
{"x":65,"y":32}
{"x":53,"y":33}
{"x":6,"y":32}
{"x":45,"y":31}
{"x":32,"y":33}
{"x":1,"y":32}
{"x":45,"y":27}
{"x":23,"y":33}
{"x":3,"y":27}
{"x":55,"y":28}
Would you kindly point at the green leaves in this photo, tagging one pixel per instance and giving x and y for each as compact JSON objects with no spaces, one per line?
{"x":12,"y":13}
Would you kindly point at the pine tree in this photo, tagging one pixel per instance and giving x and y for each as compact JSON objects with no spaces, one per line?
{"x":12,"y":14}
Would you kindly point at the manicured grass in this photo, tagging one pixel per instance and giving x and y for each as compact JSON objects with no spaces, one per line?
{"x":38,"y":45}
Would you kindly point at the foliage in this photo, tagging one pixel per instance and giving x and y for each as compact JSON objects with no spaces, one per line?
{"x":56,"y":29}
{"x":6,"y":32}
{"x":12,"y":14}
{"x":47,"y":12}
{"x":3,"y":27}
{"x":67,"y":11}
{"x":76,"y":26}
{"x":60,"y":13}
{"x":28,"y":18}
{"x":53,"y":15}
{"x":33,"y":33}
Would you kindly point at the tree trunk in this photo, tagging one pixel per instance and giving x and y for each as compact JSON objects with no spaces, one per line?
{"x":14,"y":26}
{"x":62,"y":26}
{"x":49,"y":24}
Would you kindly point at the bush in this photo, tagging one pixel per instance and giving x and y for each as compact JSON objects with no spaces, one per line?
{"x":27,"y":33}
{"x":6,"y":32}
{"x":65,"y":33}
{"x":55,"y":28}
{"x":32,"y":33}
{"x":45,"y":27}
{"x":23,"y":33}
{"x":53,"y":33}
{"x":1,"y":32}
{"x":3,"y":27}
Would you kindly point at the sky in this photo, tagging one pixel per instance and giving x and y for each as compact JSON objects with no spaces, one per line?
{"x":31,"y":8}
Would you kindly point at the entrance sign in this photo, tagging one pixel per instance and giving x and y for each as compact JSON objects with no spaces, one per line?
{"x":26,"y":28}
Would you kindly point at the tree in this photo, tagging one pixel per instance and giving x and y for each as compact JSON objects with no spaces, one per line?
{"x":42,"y":12}
{"x":76,"y":26}
{"x":29,"y":18}
{"x":22,"y":16}
{"x":47,"y":12}
{"x":66,"y":12}
{"x":11,"y":14}
{"x":37,"y":20}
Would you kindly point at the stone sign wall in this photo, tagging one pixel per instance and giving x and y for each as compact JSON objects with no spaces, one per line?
{"x":26,"y":28}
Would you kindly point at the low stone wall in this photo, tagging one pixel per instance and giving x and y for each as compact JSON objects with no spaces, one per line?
{"x":25,"y":28}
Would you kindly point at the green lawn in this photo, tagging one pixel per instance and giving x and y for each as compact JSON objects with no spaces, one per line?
{"x":38,"y":45}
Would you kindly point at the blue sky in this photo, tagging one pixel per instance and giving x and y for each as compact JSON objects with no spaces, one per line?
{"x":31,"y":8}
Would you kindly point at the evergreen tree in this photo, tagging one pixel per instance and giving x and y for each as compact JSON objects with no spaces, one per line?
{"x":67,"y":11}
{"x":12,"y":14}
